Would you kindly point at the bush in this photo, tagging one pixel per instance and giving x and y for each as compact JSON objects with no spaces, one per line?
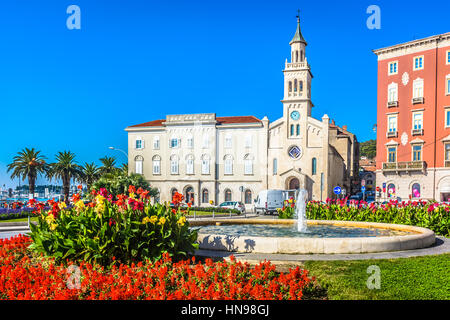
{"x":107,"y":232}
{"x":288,"y":210}
{"x":215,"y":209}
{"x":118,"y":184}
{"x":431,"y":215}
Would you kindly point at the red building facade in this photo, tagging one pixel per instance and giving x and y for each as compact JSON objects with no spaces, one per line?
{"x":413,"y":119}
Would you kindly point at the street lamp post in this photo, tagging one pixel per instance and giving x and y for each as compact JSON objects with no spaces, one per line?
{"x":112,"y":148}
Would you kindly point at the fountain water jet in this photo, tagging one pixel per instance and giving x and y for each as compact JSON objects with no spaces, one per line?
{"x":301,"y":196}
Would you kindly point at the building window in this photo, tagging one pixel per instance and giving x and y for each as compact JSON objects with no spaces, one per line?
{"x":174,"y":143}
{"x":248,"y":141}
{"x":447,"y":152}
{"x":392,"y":123}
{"x":393,"y":67}
{"x":447,"y":60}
{"x":190,"y":164}
{"x":392,"y":154}
{"x":297,"y":129}
{"x":393,"y":92}
{"x":227,"y":195}
{"x":292,"y":129}
{"x":174,"y":164}
{"x":314,"y":166}
{"x":447,"y":117}
{"x":190,"y":142}
{"x":415,"y":190}
{"x":228,"y":164}
{"x":205,"y":196}
{"x":447,"y":87}
{"x":417,"y":153}
{"x":205,"y":141}
{"x":205,"y":164}
{"x":290,"y":86}
{"x":300,"y":84}
{"x":228,"y":141}
{"x":248,"y":164}
{"x":275,"y":166}
{"x":156,"y":163}
{"x":156,"y":143}
{"x":248,"y":197}
{"x":139,"y":143}
{"x":417,"y":120}
{"x":391,"y":190}
{"x":139,"y":161}
{"x":418,"y":88}
{"x":295,"y":85}
{"x":418,"y":63}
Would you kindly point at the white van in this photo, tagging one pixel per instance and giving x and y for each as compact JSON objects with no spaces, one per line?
{"x":268,"y":201}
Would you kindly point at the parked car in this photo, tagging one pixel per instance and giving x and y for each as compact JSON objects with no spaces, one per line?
{"x":268,"y":201}
{"x":233,"y":205}
{"x":370,"y":199}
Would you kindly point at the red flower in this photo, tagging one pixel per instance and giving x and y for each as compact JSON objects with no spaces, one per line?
{"x":131,"y":189}
{"x":80,"y":187}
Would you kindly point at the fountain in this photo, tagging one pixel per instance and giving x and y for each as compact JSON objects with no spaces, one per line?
{"x":301,"y":196}
{"x":299,"y":236}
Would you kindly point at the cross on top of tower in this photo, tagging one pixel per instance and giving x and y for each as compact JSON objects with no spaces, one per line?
{"x":298,"y":37}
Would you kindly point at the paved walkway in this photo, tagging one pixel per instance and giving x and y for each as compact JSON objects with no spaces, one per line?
{"x":442,"y":245}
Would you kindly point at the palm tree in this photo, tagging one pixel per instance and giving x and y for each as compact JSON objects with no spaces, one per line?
{"x":108,"y":165}
{"x":123,"y":170}
{"x":28,"y":164}
{"x":65,"y":169}
{"x":91,"y":173}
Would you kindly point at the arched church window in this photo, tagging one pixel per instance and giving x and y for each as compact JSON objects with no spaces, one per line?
{"x":290,"y":86}
{"x":295,"y":85}
{"x":292,"y":129}
{"x":300,"y":86}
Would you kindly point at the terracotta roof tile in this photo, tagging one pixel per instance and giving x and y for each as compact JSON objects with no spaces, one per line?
{"x":238,"y":119}
{"x":220,"y":120}
{"x":154,"y":123}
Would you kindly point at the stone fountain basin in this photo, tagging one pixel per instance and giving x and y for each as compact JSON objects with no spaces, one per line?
{"x":420,"y":238}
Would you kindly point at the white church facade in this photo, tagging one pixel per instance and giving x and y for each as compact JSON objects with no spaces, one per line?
{"x":206,"y":157}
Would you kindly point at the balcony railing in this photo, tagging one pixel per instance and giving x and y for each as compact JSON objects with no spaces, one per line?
{"x":404,"y":166}
{"x":417,"y":100}
{"x":392,"y":104}
{"x":417,"y":132}
{"x":392,"y":134}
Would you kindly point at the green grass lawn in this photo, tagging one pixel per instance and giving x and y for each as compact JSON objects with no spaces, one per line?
{"x":19,"y":220}
{"x":425,"y":277}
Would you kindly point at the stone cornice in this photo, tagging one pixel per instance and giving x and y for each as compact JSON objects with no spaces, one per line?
{"x":413,"y":46}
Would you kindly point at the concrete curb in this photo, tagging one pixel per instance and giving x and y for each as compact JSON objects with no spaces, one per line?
{"x":420,"y":238}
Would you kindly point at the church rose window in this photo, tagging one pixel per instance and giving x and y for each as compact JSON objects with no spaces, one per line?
{"x":295,"y":152}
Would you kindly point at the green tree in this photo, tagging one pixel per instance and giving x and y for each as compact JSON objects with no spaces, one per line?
{"x":108,"y":165}
{"x":66,"y":169}
{"x":368,"y":149}
{"x":119,"y":184}
{"x":91,"y":173}
{"x":28,"y":163}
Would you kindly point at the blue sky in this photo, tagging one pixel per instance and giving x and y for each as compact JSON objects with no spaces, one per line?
{"x":135,"y":61}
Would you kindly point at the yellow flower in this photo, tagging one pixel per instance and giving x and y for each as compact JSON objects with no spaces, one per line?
{"x":181,"y":221}
{"x":162,"y":220}
{"x":53,"y":226}
{"x":79,"y":205}
{"x":50,"y":218}
{"x":62,"y":205}
{"x":153,"y":219}
{"x":132,"y":195}
{"x":145,"y":220}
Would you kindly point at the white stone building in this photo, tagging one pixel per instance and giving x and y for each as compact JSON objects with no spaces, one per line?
{"x":206,"y":157}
